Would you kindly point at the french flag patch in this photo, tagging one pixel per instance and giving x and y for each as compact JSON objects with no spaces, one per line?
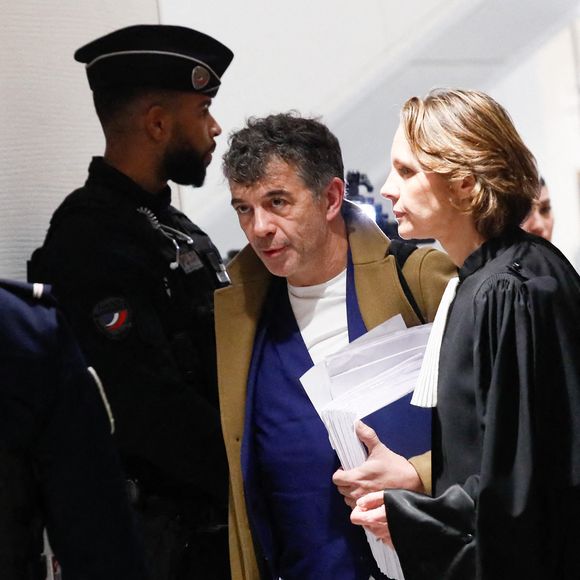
{"x":112,"y":317}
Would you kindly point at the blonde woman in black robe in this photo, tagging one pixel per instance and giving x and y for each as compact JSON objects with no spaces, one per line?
{"x":506,"y":398}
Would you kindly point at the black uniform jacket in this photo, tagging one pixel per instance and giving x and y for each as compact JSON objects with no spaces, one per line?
{"x":506,"y":447}
{"x":58,"y":465}
{"x":136,"y":279}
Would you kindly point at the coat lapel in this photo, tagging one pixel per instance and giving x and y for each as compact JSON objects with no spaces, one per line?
{"x":238,"y":309}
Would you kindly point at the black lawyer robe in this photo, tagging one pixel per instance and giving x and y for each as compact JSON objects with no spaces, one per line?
{"x":506,"y":439}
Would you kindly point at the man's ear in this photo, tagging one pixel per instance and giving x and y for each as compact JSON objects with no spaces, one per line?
{"x":158,"y":123}
{"x":334,"y":196}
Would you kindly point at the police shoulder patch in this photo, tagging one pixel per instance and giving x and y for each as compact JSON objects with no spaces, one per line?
{"x":113,"y":317}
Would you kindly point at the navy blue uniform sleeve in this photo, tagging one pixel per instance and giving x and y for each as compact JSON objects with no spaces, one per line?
{"x":518,"y":517}
{"x":61,"y":468}
{"x":88,"y":518}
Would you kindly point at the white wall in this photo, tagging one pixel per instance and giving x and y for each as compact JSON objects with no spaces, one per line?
{"x":49,"y":128}
{"x":542,"y":97}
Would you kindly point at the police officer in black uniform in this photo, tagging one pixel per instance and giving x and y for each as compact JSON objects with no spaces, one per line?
{"x":136,"y":278}
{"x":58,"y":465}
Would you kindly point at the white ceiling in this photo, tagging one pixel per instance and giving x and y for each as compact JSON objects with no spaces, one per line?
{"x":471,"y":50}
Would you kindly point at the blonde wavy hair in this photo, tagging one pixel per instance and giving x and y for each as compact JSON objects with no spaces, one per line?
{"x":460,"y":133}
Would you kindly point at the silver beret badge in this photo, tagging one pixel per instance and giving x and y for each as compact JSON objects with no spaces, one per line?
{"x":199,"y":77}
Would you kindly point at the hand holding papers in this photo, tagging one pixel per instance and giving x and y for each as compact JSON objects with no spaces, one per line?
{"x":382,"y":469}
{"x":374,"y":377}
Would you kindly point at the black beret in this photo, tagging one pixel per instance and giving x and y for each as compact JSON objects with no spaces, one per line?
{"x":157,"y":56}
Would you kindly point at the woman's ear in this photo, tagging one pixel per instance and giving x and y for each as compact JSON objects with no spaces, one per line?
{"x":464,"y":188}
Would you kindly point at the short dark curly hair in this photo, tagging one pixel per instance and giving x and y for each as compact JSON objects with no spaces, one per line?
{"x":303,"y":142}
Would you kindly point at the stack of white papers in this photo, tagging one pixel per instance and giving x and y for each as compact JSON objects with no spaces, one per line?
{"x":376,"y":372}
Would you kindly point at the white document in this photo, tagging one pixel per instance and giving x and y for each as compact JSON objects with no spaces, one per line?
{"x":316,"y":381}
{"x":370,"y":373}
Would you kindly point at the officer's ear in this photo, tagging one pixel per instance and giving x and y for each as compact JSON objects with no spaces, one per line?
{"x":158,"y":123}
